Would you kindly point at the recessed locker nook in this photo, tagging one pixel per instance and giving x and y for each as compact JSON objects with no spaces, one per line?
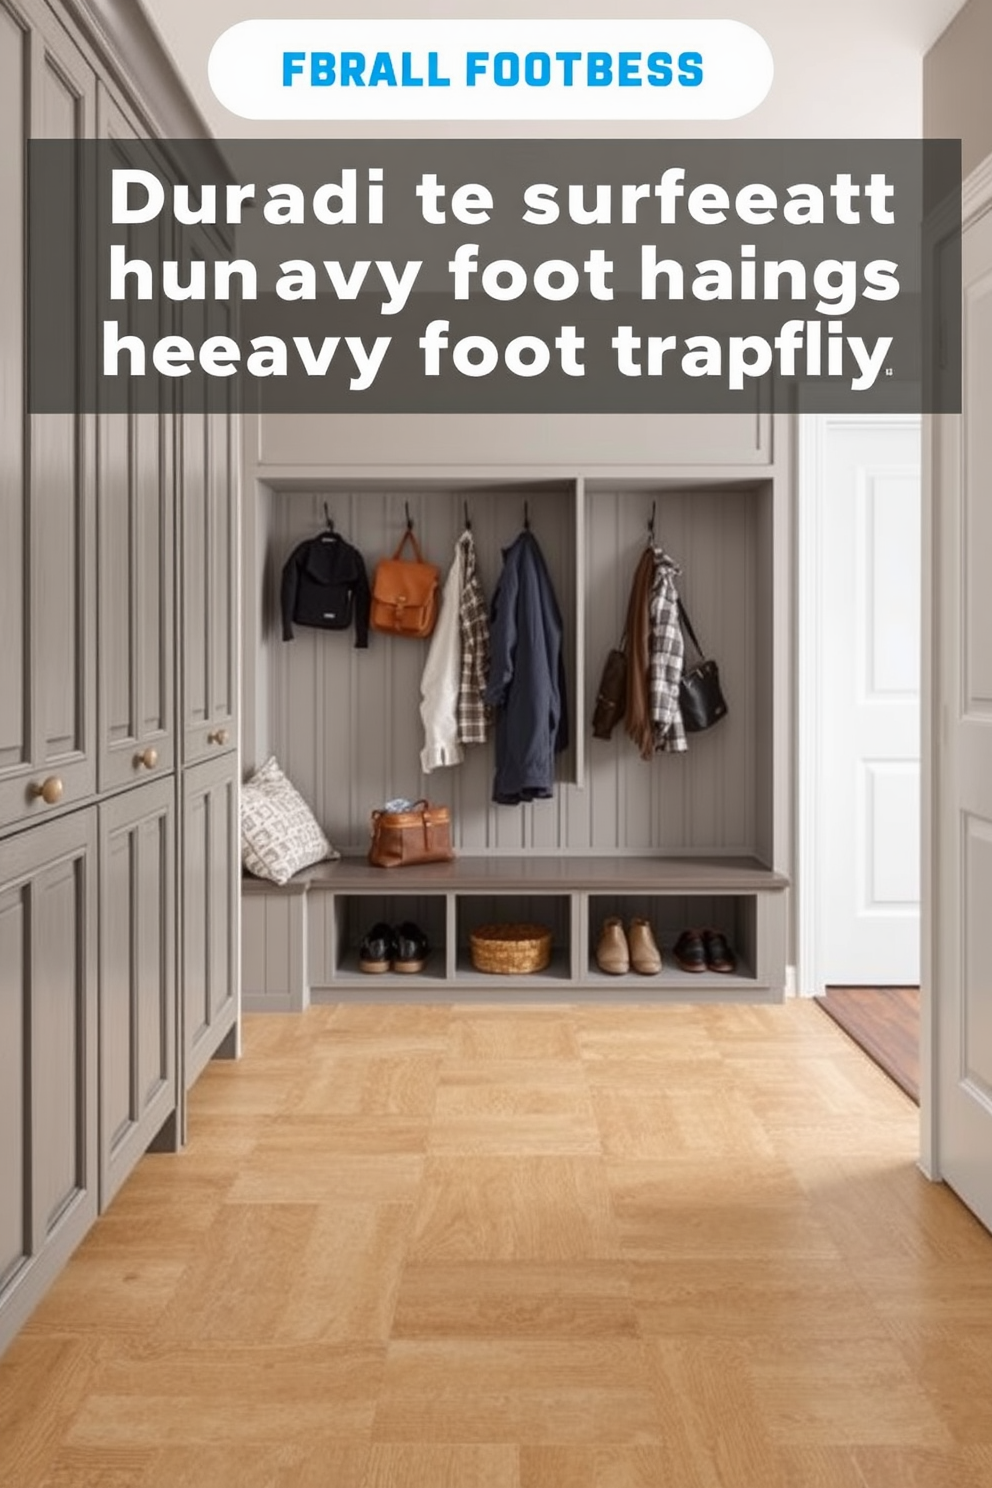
{"x":683,"y":840}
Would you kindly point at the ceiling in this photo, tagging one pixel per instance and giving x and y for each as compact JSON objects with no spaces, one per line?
{"x":849,"y":69}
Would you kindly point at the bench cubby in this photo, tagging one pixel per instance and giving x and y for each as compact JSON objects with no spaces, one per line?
{"x":331,"y":906}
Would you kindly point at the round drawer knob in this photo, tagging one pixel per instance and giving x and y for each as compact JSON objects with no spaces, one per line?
{"x":148,"y":758}
{"x":49,"y":791}
{"x":218,"y":736}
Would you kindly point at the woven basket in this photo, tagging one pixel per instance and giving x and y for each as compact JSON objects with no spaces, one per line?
{"x":510,"y":950}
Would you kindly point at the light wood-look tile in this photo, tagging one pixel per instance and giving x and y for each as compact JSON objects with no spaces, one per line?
{"x":513,"y":1106}
{"x":842,"y":1391}
{"x":417,"y":1465}
{"x":561,"y":1391}
{"x":231,"y":1395}
{"x":789,"y":1297}
{"x":347,"y":1084}
{"x":515,"y":1299}
{"x":691,"y":1211}
{"x":514,"y":1209}
{"x":348,"y":1277}
{"x":478,"y":1247}
{"x":597,"y":1467}
{"x":501,"y":1033}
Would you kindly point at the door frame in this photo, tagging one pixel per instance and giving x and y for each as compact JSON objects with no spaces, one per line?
{"x":976,"y":201}
{"x":811,"y":505}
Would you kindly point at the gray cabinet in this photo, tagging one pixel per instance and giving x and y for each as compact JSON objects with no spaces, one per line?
{"x":47,"y":695}
{"x":48,"y":1055}
{"x":211,"y":885}
{"x":137,"y":976}
{"x":136,"y":557}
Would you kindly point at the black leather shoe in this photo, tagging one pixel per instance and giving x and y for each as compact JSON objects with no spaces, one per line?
{"x":411,"y":947}
{"x":690,"y":951}
{"x":719,"y":956}
{"x":377,"y":950}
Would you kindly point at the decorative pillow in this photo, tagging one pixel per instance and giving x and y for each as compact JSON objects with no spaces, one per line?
{"x":279,"y":833}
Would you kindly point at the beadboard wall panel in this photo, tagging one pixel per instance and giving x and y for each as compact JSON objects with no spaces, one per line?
{"x":346,"y":725}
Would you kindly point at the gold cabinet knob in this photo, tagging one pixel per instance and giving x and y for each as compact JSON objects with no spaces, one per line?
{"x":148,"y":758}
{"x":49,"y":791}
{"x":218,"y":736}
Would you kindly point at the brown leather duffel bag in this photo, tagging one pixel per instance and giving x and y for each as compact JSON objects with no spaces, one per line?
{"x":420,"y":835}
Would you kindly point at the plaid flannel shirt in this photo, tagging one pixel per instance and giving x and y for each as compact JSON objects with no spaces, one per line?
{"x":666,"y":652}
{"x":473,"y":620}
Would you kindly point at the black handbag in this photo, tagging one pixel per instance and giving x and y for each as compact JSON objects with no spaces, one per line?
{"x":701,"y":698}
{"x":611,"y":697}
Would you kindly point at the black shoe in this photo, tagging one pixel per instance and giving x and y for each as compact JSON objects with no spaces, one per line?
{"x":411,"y":947}
{"x":719,"y":956}
{"x":690,"y":951}
{"x":377,"y":950}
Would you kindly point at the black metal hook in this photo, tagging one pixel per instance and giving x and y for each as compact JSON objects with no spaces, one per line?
{"x":328,"y":518}
{"x":526,"y":516}
{"x":468,"y":519}
{"x":654,"y":506}
{"x":409,"y":519}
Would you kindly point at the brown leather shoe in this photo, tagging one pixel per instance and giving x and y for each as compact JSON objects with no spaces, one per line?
{"x":612,"y":951}
{"x":645,"y":956}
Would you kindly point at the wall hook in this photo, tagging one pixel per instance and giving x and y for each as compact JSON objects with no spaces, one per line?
{"x":328,"y":518}
{"x":654,"y":506}
{"x":526,"y":516}
{"x":409,"y":519}
{"x":468,"y":519}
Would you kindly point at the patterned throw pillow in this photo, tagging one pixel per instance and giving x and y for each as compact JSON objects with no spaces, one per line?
{"x":279,"y":833}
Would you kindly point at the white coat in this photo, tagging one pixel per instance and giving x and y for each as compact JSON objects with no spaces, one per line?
{"x":440,"y":682}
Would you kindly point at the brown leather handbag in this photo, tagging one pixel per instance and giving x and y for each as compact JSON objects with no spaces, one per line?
{"x":405,"y":593}
{"x":402,"y":838}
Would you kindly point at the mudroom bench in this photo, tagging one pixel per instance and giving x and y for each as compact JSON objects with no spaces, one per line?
{"x":300,"y":941}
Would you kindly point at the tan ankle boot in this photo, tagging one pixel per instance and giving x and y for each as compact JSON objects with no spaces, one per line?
{"x":612,"y":951}
{"x":645,"y":956}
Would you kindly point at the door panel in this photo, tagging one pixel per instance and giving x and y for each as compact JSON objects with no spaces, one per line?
{"x":47,"y":717}
{"x":963,"y":694}
{"x":869,"y":585}
{"x":137,"y":976}
{"x":210,"y":538}
{"x":137,"y":541}
{"x":211,"y":908}
{"x":48,"y":1012}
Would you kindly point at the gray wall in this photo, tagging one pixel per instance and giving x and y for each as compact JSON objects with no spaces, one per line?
{"x":957,"y":94}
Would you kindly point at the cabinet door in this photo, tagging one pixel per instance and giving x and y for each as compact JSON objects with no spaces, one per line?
{"x":137,"y":976}
{"x":47,"y":714}
{"x":210,"y":538}
{"x":48,"y":1056}
{"x":211,"y":884}
{"x":135,"y":561}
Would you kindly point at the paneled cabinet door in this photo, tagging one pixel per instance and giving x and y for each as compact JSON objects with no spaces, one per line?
{"x":209,"y":547}
{"x":136,"y":557}
{"x":137,"y":976}
{"x":211,"y":884}
{"x":48,"y":1056}
{"x":47,"y":701}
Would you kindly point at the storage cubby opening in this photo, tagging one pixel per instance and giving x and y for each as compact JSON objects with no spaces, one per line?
{"x":551,"y":910}
{"x":355,"y":914}
{"x":734,"y":915}
{"x":717,"y":797}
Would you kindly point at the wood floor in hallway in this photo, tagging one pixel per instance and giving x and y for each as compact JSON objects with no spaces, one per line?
{"x":457,"y":1247}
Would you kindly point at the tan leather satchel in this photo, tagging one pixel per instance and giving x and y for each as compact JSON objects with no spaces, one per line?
{"x":420,"y":835}
{"x":405,"y":593}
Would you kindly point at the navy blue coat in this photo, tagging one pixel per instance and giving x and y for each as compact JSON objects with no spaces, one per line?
{"x":526,"y":676}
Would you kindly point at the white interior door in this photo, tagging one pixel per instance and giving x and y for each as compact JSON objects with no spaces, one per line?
{"x":864,"y":507}
{"x":961,"y":991}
